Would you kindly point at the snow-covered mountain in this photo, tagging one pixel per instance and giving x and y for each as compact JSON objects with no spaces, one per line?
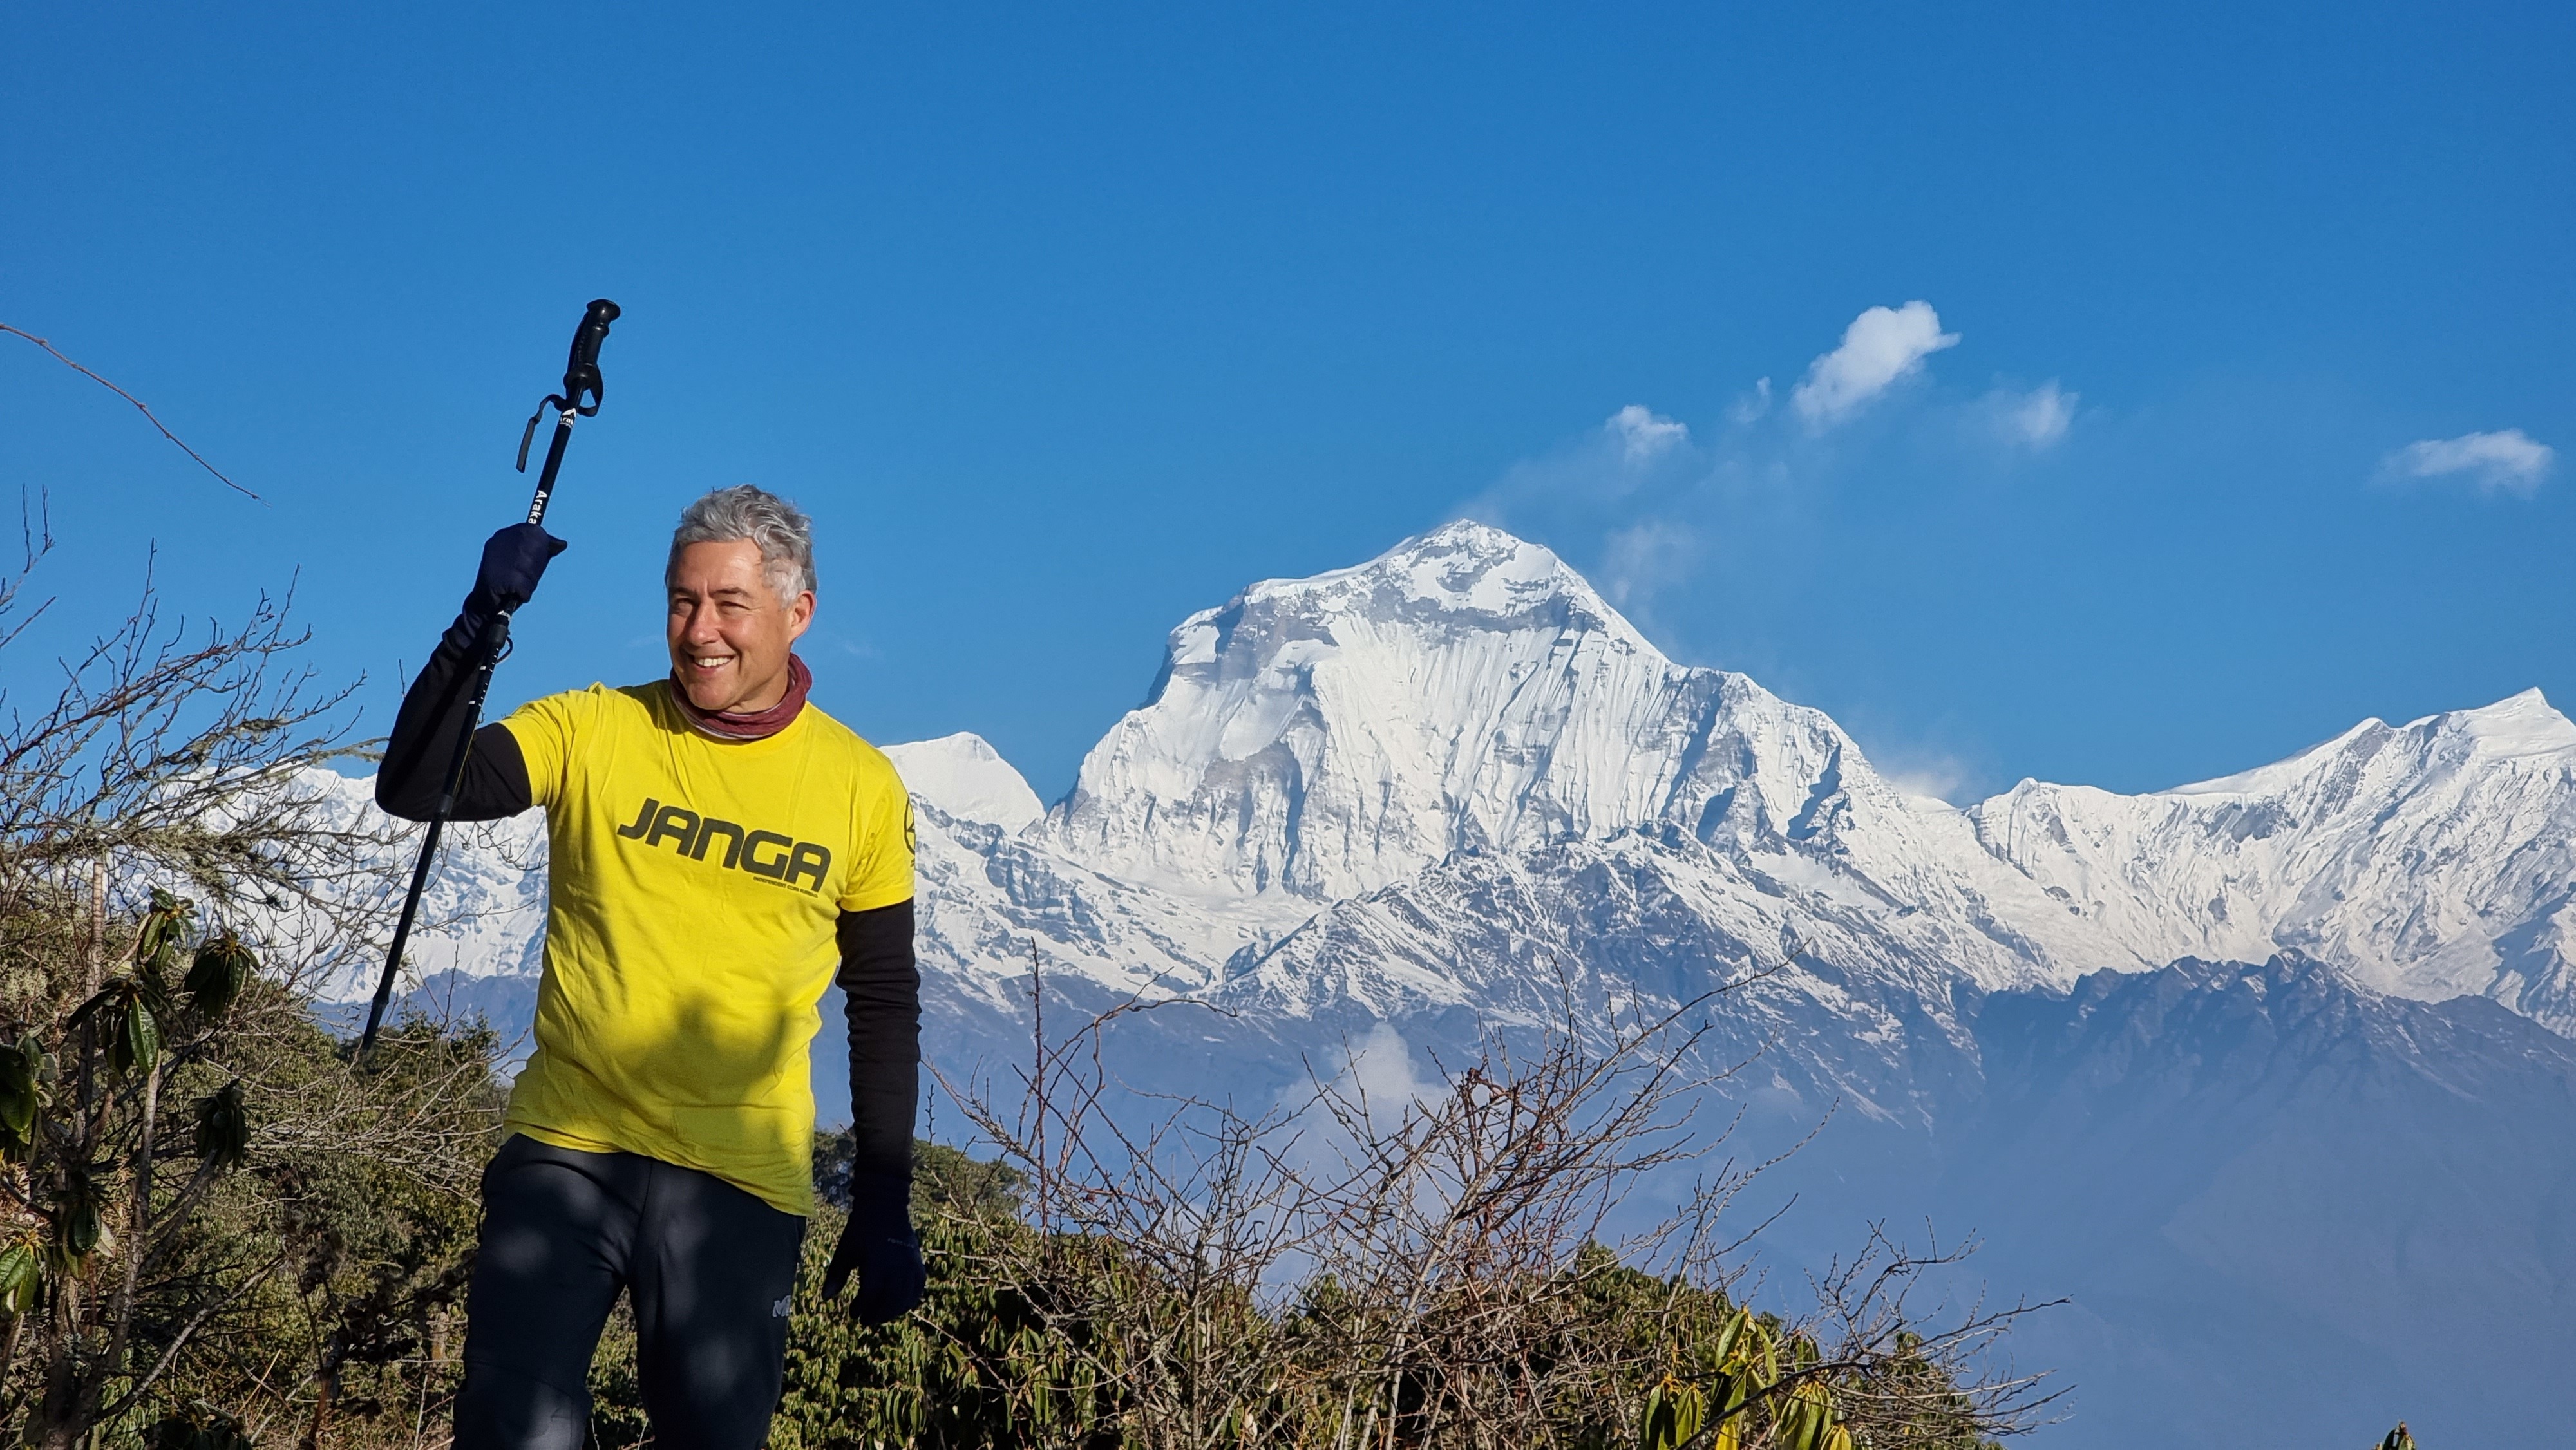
{"x":1326,"y":737}
{"x":2432,"y":859}
{"x":1446,"y":787}
{"x":1337,"y":782}
{"x":969,"y":780}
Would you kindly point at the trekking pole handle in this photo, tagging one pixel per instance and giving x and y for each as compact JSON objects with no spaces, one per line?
{"x":581,"y":374}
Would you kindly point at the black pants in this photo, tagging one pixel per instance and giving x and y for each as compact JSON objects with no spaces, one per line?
{"x":710,"y":1268}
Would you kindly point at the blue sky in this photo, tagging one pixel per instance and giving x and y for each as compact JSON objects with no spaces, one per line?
{"x":1065,"y":323}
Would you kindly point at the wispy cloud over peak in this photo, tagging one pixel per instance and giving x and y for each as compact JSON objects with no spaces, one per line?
{"x":2508,"y":462}
{"x":1645,"y":557}
{"x":2040,"y":417}
{"x":1633,"y":449}
{"x":1881,"y":346}
{"x":1643,"y":437}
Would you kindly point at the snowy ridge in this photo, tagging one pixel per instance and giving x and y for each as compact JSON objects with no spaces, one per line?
{"x":1467,"y":692}
{"x":2430,"y":860}
{"x":1329,"y":760}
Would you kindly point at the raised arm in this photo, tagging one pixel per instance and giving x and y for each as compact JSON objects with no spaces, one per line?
{"x":434,"y":708}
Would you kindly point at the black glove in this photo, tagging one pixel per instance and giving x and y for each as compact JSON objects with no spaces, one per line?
{"x":880,"y":1246}
{"x":513,"y":561}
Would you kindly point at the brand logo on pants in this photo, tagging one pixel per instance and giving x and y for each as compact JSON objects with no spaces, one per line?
{"x":779,"y":1309}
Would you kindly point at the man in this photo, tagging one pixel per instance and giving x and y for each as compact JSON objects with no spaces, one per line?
{"x":717,"y":847}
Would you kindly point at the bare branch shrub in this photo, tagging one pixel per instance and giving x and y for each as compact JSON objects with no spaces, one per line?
{"x":188,"y":1163}
{"x":1896,"y":1384}
{"x":1457,"y":1261}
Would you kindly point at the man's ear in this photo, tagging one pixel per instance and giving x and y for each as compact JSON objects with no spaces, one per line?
{"x":800,"y":615}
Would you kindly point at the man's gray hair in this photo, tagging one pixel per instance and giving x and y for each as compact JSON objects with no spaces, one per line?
{"x":781,"y":529}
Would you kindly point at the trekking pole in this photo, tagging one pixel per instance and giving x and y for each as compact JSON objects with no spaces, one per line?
{"x":581,"y":378}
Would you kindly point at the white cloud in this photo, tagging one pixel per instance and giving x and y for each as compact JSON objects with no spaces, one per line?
{"x":1924,"y":771}
{"x":1642,"y":436}
{"x":2507,"y":462}
{"x":1634,"y":448}
{"x":1932,"y":780}
{"x":1881,"y":346}
{"x":1645,"y":557}
{"x":1382,"y":1068}
{"x":2039,"y":417}
{"x":1378,"y":1077}
{"x":1753,"y":405}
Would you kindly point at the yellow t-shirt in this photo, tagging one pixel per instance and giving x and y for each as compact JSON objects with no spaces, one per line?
{"x":693,"y":890}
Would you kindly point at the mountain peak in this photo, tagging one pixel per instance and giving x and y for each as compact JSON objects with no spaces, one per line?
{"x":1465,"y":575}
{"x":1470,"y":565}
{"x":1464,"y":690}
{"x":2523,"y":724}
{"x":963,"y":776}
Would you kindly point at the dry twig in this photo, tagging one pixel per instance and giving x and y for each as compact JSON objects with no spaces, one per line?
{"x":138,"y":406}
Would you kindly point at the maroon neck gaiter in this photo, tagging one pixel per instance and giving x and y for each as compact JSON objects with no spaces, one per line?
{"x":749,"y":724}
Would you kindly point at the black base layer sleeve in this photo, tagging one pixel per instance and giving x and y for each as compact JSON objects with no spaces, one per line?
{"x":424,"y":742}
{"x":883,"y":988}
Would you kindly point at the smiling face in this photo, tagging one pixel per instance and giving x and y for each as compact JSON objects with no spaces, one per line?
{"x":730,"y":633}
